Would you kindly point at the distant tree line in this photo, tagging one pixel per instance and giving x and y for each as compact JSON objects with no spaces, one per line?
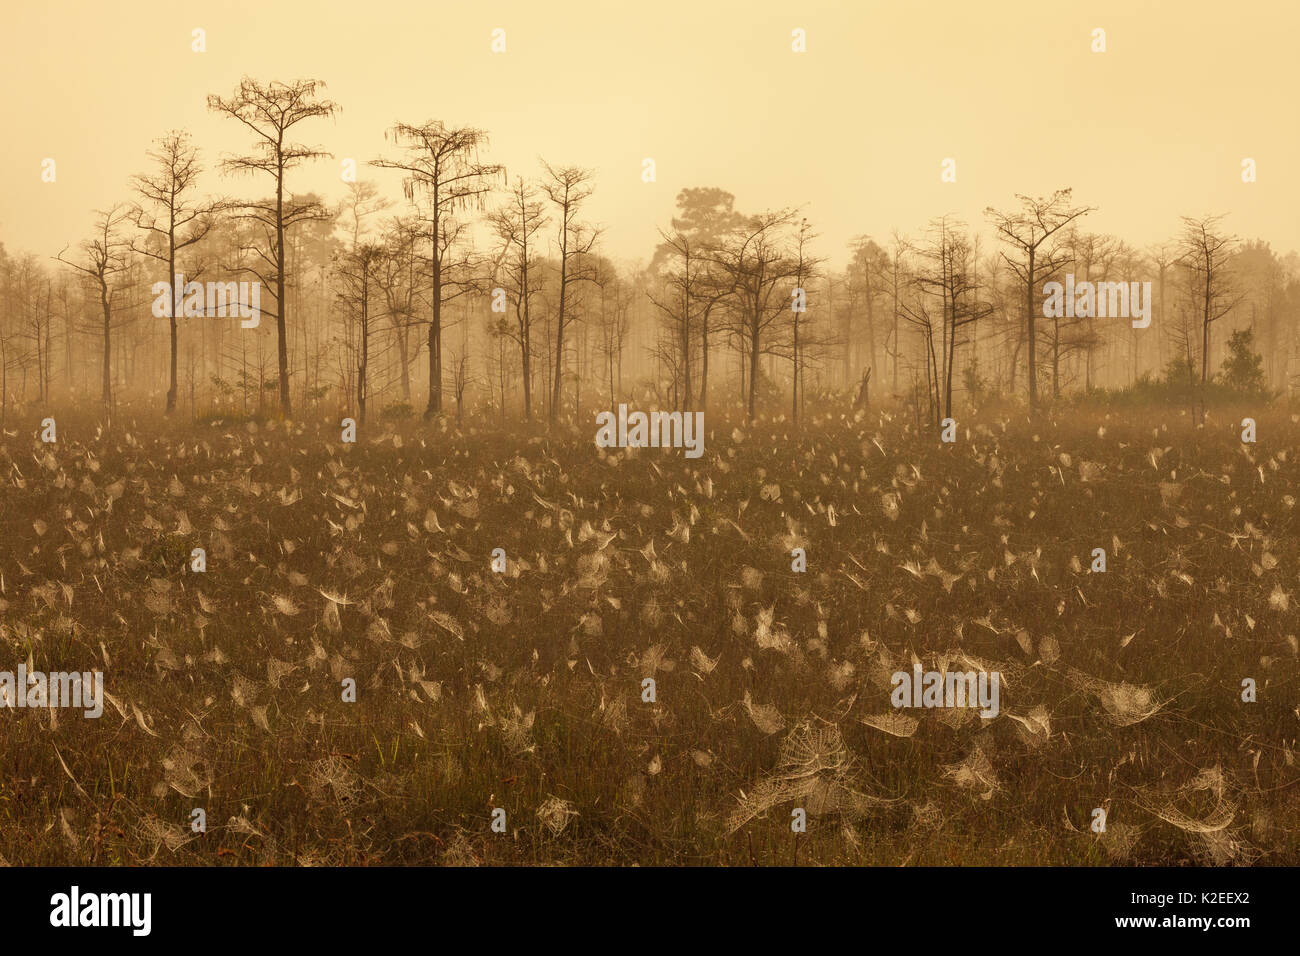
{"x":477,"y":293}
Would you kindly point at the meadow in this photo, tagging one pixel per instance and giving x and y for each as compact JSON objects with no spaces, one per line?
{"x":525,"y":690}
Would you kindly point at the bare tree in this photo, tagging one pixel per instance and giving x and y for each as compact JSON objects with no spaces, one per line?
{"x":1206,"y":253}
{"x":1164,"y":256}
{"x":1026,"y":229}
{"x":902,"y":246}
{"x":442,"y":167}
{"x":271,"y":110}
{"x":103,"y":258}
{"x":675,"y":305}
{"x":356,"y":208}
{"x":705,"y":215}
{"x":613,"y":322}
{"x":948,"y":276}
{"x":805,"y":269}
{"x":399,"y":280}
{"x":868,"y":263}
{"x":174,"y":222}
{"x":358,"y":271}
{"x":26,"y":335}
{"x":568,"y":187}
{"x":516,"y":225}
{"x":758,"y":273}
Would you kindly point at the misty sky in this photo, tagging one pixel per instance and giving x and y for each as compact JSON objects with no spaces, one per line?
{"x":854,"y":129}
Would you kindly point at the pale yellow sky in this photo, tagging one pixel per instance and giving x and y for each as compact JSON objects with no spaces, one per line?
{"x":855,"y":128}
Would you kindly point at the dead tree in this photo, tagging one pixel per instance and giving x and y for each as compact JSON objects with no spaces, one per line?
{"x":516,"y":225}
{"x":1206,"y":253}
{"x":271,"y":110}
{"x":441,"y":167}
{"x":1027,"y":229}
{"x":103,"y":257}
{"x":758,"y":272}
{"x":173,"y":222}
{"x":568,"y":188}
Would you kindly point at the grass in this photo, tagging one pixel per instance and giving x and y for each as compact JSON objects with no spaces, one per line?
{"x":523,"y":690}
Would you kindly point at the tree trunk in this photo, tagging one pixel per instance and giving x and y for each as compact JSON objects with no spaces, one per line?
{"x":171,"y":308}
{"x":1032,"y":328}
{"x":704,"y":361}
{"x":794,"y":397}
{"x":107,"y":394}
{"x":557,"y":388}
{"x":435,"y":327}
{"x":281,"y":330}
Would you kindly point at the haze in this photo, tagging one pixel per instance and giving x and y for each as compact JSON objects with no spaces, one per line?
{"x":854,"y":129}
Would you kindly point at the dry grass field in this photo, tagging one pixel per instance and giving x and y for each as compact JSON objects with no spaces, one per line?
{"x":524,"y":690}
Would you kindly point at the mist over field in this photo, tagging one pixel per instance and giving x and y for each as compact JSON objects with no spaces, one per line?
{"x":797,"y":437}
